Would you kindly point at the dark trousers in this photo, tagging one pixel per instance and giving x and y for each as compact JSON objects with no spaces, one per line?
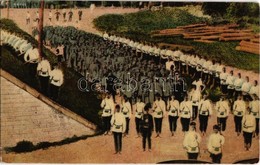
{"x":33,"y":69}
{"x":146,"y":133}
{"x":137,"y":125}
{"x":54,"y":91}
{"x":193,"y":155}
{"x":224,"y":89}
{"x":118,"y":141}
{"x":222,"y":123}
{"x":248,"y":138}
{"x":238,"y":122}
{"x":203,"y":123}
{"x":257,"y":126}
{"x":106,"y":123}
{"x":127,"y":125}
{"x":44,"y":82}
{"x":216,"y":158}
{"x":185,"y":122}
{"x":158,"y":125}
{"x":195,"y":112}
{"x":173,"y":123}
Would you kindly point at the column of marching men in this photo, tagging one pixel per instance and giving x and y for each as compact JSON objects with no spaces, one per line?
{"x":50,"y":79}
{"x":92,"y":57}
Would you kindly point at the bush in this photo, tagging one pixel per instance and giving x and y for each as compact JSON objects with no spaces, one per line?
{"x":23,"y":146}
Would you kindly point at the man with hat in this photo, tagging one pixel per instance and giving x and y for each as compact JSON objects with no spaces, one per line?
{"x":185,"y":113}
{"x":146,"y":127}
{"x":239,"y":109}
{"x":159,"y":109}
{"x":191,"y":142}
{"x":205,"y":111}
{"x":254,"y":108}
{"x":108,"y":110}
{"x":118,"y":124}
{"x":43,"y":70}
{"x":56,"y":80}
{"x":223,"y":109}
{"x":248,"y":127}
{"x":215,"y":145}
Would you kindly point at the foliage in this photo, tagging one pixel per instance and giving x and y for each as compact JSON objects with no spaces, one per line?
{"x":23,"y":146}
{"x":84,"y":104}
{"x":27,"y":146}
{"x":145,"y":21}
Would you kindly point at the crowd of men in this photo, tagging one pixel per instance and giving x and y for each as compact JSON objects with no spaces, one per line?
{"x":50,"y":79}
{"x":158,"y":75}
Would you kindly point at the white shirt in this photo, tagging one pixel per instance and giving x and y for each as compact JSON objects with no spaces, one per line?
{"x":206,"y":66}
{"x":238,"y":83}
{"x":173,"y":108}
{"x":126,"y":109}
{"x":32,"y":56}
{"x":25,"y":47}
{"x":246,"y":87}
{"x":254,"y":90}
{"x":239,"y":108}
{"x":230,"y":80}
{"x":44,"y":68}
{"x":159,"y":108}
{"x":139,"y":109}
{"x":222,"y":109}
{"x":186,"y":109}
{"x":191,"y":141}
{"x":215,"y":143}
{"x":205,"y":108}
{"x":195,"y":97}
{"x":248,"y":123}
{"x":108,"y":107}
{"x":198,"y":84}
{"x":254,"y":107}
{"x":168,"y":65}
{"x":223,"y":77}
{"x":118,"y":123}
{"x":56,"y":77}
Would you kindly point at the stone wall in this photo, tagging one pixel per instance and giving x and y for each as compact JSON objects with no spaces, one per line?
{"x":27,"y":115}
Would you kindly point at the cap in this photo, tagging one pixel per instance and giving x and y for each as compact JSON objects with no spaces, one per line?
{"x":193,"y":124}
{"x":216,"y":127}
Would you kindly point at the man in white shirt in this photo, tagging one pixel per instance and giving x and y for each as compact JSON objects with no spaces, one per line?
{"x":205,"y":111}
{"x":139,"y":108}
{"x":173,"y":108}
{"x":223,"y":78}
{"x":43,"y":70}
{"x":254,"y":89}
{"x":159,"y":109}
{"x":56,"y":80}
{"x":239,"y":109}
{"x":230,"y":82}
{"x":169,"y":64}
{"x":195,"y":96}
{"x":246,"y":86}
{"x":185,"y":113}
{"x":215,"y":145}
{"x":32,"y":57}
{"x":223,"y":110}
{"x":238,"y":84}
{"x":191,"y":142}
{"x":127,"y":111}
{"x":248,"y":127}
{"x":118,"y":127}
{"x":254,"y":108}
{"x":108,"y":110}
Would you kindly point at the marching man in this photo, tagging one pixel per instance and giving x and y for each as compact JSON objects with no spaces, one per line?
{"x":215,"y":145}
{"x":118,"y":127}
{"x":43,"y":70}
{"x":191,"y":142}
{"x":56,"y":80}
